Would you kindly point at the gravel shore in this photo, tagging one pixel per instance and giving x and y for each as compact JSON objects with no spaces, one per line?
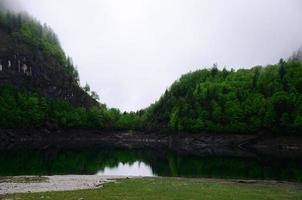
{"x":23,"y":184}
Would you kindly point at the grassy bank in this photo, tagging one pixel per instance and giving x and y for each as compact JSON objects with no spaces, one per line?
{"x":169,"y":189}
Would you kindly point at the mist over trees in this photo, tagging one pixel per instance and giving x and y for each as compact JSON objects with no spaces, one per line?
{"x":297,"y":55}
{"x":10,"y":5}
{"x":24,"y":28}
{"x":208,"y":100}
{"x":28,"y":109}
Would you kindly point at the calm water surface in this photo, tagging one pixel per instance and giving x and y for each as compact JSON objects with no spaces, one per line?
{"x":145,"y":163}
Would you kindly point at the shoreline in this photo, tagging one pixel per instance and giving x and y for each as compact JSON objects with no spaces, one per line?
{"x":59,"y":183}
{"x":24,"y":184}
{"x":202,"y":144}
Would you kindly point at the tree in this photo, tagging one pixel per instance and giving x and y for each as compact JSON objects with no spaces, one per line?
{"x":94,"y":95}
{"x":297,"y":55}
{"x":282,"y":73}
{"x":214,"y":69}
{"x":86,"y":88}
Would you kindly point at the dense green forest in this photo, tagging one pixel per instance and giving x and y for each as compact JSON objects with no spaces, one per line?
{"x":247,"y":100}
{"x":24,"y":109}
{"x":24,"y":28}
{"x":27,"y":29}
{"x":28,"y":109}
{"x":208,"y":100}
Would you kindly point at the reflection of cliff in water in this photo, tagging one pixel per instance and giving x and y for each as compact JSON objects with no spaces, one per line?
{"x":162,"y":163}
{"x":206,"y":145}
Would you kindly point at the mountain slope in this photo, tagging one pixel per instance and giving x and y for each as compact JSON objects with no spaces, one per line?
{"x":39,"y":86}
{"x":31,"y":58}
{"x":248,"y":100}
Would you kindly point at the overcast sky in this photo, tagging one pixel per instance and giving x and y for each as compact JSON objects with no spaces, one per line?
{"x":130,"y":51}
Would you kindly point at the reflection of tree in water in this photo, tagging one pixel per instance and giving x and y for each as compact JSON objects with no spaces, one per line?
{"x":162,"y":164}
{"x":64,"y":162}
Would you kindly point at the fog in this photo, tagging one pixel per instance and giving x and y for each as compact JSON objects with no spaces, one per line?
{"x":131,"y":51}
{"x":12,"y":5}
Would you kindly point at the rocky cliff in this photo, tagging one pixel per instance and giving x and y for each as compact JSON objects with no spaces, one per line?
{"x":31,"y":67}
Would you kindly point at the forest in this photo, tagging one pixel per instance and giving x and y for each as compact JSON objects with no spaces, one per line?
{"x":243,"y":101}
{"x":26,"y":109}
{"x":263,"y":98}
{"x":24,"y":28}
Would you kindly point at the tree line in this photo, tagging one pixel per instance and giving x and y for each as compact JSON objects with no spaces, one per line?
{"x":207,"y":100}
{"x":247,"y":100}
{"x":26,"y":109}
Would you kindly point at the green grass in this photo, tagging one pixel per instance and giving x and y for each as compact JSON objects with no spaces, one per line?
{"x":168,"y":189}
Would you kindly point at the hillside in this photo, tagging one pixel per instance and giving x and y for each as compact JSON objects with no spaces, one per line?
{"x":31,"y":58}
{"x":39,"y":87}
{"x":243,"y":101}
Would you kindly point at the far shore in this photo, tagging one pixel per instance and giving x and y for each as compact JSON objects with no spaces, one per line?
{"x":200,"y":144}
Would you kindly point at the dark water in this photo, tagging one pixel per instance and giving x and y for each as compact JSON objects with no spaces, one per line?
{"x":145,"y":163}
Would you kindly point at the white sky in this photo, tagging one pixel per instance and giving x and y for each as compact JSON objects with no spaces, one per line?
{"x":130,"y":51}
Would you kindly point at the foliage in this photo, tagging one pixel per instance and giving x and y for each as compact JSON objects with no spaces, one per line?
{"x":86,"y":88}
{"x":165,"y":164}
{"x":24,"y":28}
{"x":23,"y":109}
{"x":248,"y":100}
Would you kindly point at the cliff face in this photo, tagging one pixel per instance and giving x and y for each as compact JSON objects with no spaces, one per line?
{"x":29,"y":68}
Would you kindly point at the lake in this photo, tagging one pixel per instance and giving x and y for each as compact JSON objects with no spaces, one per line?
{"x":95,"y":161}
